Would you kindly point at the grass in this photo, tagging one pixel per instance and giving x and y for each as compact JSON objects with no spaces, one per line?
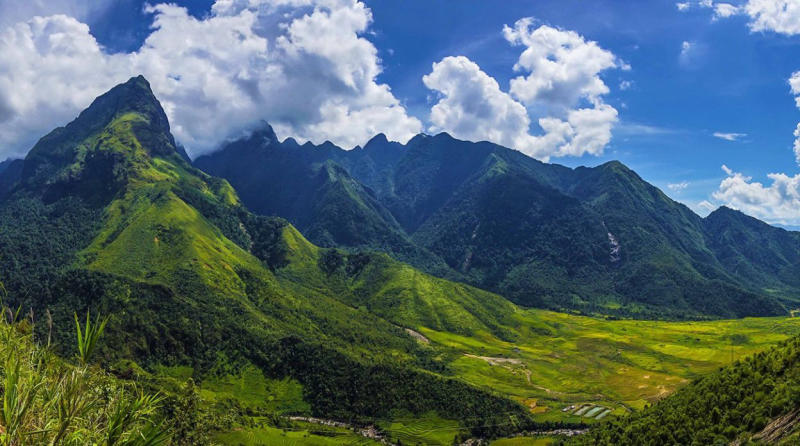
{"x":560,"y":359}
{"x":302,"y":434}
{"x":46,"y":400}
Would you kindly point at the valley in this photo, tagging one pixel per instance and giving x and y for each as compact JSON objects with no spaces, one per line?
{"x":257,"y":335}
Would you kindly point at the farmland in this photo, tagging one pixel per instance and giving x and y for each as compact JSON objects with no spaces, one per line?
{"x":558,"y":360}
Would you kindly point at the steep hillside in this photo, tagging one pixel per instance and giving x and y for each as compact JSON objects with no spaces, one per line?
{"x":599,"y":240}
{"x":108,"y":215}
{"x":308,"y":187}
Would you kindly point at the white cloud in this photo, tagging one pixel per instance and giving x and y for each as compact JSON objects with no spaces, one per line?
{"x":683,"y":6}
{"x":678,"y":187}
{"x":780,"y":16}
{"x":473,"y":107}
{"x":706,"y":206}
{"x":564,"y":68}
{"x":686,"y":52}
{"x":725,"y":10}
{"x":778,"y":202}
{"x":794,"y":85}
{"x":562,"y":90}
{"x":625,"y":85}
{"x":51,"y":68}
{"x":302,"y":65}
{"x":729,"y":136}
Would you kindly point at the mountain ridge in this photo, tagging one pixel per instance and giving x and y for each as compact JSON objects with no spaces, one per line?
{"x":189,"y":277}
{"x":444,"y":193}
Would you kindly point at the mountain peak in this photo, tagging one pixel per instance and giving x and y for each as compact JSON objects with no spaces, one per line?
{"x":378,"y":139}
{"x":124,"y":123}
{"x":265,"y":129}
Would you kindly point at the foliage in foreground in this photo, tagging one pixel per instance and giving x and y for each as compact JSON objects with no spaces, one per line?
{"x":46,"y":401}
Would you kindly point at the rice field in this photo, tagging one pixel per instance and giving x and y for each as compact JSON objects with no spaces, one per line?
{"x":560,"y":359}
{"x":427,"y":429}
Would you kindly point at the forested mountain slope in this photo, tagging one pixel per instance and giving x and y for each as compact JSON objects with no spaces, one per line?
{"x":108,"y":215}
{"x":599,"y":240}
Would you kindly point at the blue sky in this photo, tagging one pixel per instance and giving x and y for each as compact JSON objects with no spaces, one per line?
{"x":680,"y":75}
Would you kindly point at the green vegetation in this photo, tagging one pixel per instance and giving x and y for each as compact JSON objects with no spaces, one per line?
{"x":240,"y":321}
{"x":190,"y":279}
{"x":737,"y":403}
{"x":597,"y":240}
{"x":426,"y":429}
{"x":46,"y":400}
{"x":555,"y":360}
{"x":296,"y":434}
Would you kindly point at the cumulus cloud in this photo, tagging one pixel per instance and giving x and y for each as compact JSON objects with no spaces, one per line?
{"x":303,"y":65}
{"x":683,"y":6}
{"x":560,"y":86}
{"x":51,"y":68}
{"x":780,"y":16}
{"x":473,"y":106}
{"x":777,"y":202}
{"x":729,"y":136}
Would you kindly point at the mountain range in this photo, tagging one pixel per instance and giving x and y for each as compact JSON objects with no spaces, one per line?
{"x":595,"y":240}
{"x":377,"y":282}
{"x":107,"y":215}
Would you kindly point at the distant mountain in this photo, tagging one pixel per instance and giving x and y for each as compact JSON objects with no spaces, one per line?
{"x":319,"y":196}
{"x":598,"y":240}
{"x":106,"y":214}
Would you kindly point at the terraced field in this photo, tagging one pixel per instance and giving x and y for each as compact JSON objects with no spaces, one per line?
{"x":558,"y":360}
{"x":428,"y":429}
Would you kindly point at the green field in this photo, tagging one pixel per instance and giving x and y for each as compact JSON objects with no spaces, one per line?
{"x":428,"y":429}
{"x":560,"y":359}
{"x":602,"y":368}
{"x":525,"y":441}
{"x":303,"y":434}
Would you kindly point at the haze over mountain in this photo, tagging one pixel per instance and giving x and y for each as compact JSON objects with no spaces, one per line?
{"x":600,"y":240}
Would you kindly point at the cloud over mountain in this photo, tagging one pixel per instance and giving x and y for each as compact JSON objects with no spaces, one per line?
{"x":777,"y":202}
{"x":303,"y":65}
{"x":560,"y":88}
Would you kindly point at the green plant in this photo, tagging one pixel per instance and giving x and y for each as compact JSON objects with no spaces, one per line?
{"x":87,"y":338}
{"x":46,"y":401}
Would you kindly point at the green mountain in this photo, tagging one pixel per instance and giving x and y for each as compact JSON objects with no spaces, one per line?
{"x":599,"y":240}
{"x":753,"y":401}
{"x":108,"y":215}
{"x":317,"y":195}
